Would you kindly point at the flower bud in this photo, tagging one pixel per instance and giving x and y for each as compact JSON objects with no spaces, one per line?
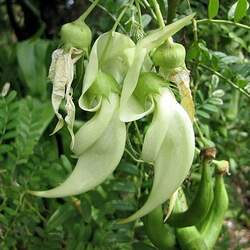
{"x":170,"y":56}
{"x":76,"y":34}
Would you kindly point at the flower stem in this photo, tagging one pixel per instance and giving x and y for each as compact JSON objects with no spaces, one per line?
{"x":172,"y":6}
{"x":224,"y":78}
{"x":89,"y":10}
{"x":158,"y":13}
{"x":226,"y":22}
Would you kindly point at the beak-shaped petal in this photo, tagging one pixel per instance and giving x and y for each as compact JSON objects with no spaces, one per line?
{"x":98,"y":161}
{"x":173,"y":153}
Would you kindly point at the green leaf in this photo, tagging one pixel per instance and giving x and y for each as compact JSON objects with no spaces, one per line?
{"x":60,"y":216}
{"x":211,"y":108}
{"x":124,"y":186}
{"x":241,"y":10}
{"x":33,"y":117}
{"x":128,"y":168}
{"x":231,"y":12}
{"x":31,"y":57}
{"x":213,"y":8}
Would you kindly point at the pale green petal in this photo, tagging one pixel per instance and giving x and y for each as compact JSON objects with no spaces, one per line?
{"x":111,"y":53}
{"x":91,"y":104}
{"x":171,"y":205}
{"x":157,"y":37}
{"x":89,"y":133}
{"x":173,"y":161}
{"x":130,"y":108}
{"x":96,"y":163}
{"x":165,"y":103}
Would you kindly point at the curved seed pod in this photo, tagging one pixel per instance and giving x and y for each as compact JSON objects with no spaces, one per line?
{"x":160,"y":234}
{"x":188,"y":238}
{"x":97,"y":162}
{"x":130,"y":108}
{"x":200,"y":205}
{"x":171,"y":146}
{"x":210,"y":228}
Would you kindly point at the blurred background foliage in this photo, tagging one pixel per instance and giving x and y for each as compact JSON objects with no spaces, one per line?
{"x":218,"y":57}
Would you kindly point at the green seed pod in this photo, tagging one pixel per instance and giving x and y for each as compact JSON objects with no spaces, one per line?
{"x":160,"y":234}
{"x":76,"y":34}
{"x":199,"y":208}
{"x":189,"y":238}
{"x":211,"y":227}
{"x":170,"y":55}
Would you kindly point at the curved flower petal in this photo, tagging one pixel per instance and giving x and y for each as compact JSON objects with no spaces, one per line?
{"x":96,"y":163}
{"x":111,"y":53}
{"x":156,"y":132}
{"x":130,"y":108}
{"x":174,"y":158}
{"x":89,"y":133}
{"x":156,"y":37}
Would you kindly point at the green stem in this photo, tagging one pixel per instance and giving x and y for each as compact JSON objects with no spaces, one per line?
{"x":195,"y":30}
{"x":225,"y":79}
{"x":158,"y":13}
{"x":121,"y":15}
{"x":145,"y":2}
{"x":199,"y":130}
{"x":138,"y":132}
{"x":226,"y":22}
{"x":172,"y":7}
{"x":133,"y":157}
{"x":89,"y":10}
{"x":111,"y":16}
{"x":139,"y":12}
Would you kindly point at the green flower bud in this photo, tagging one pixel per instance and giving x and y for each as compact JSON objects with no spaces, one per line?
{"x":76,"y":34}
{"x":170,"y":56}
{"x":148,"y":83}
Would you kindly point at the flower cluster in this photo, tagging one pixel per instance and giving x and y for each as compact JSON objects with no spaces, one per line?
{"x":124,"y":82}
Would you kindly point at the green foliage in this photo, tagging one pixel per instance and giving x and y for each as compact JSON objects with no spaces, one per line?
{"x":213,"y":8}
{"x":241,"y":10}
{"x":31,"y":57}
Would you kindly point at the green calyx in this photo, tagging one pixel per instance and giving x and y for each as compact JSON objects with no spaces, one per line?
{"x":169,"y":56}
{"x":148,"y":83}
{"x":76,"y":34}
{"x":103,"y":85}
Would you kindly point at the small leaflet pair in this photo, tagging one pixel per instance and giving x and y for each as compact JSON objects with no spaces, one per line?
{"x":115,"y":61}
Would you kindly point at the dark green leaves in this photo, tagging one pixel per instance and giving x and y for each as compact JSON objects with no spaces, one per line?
{"x":238,"y":10}
{"x":213,"y":8}
{"x":31,"y":57}
{"x":241,"y":10}
{"x":33,"y":118}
